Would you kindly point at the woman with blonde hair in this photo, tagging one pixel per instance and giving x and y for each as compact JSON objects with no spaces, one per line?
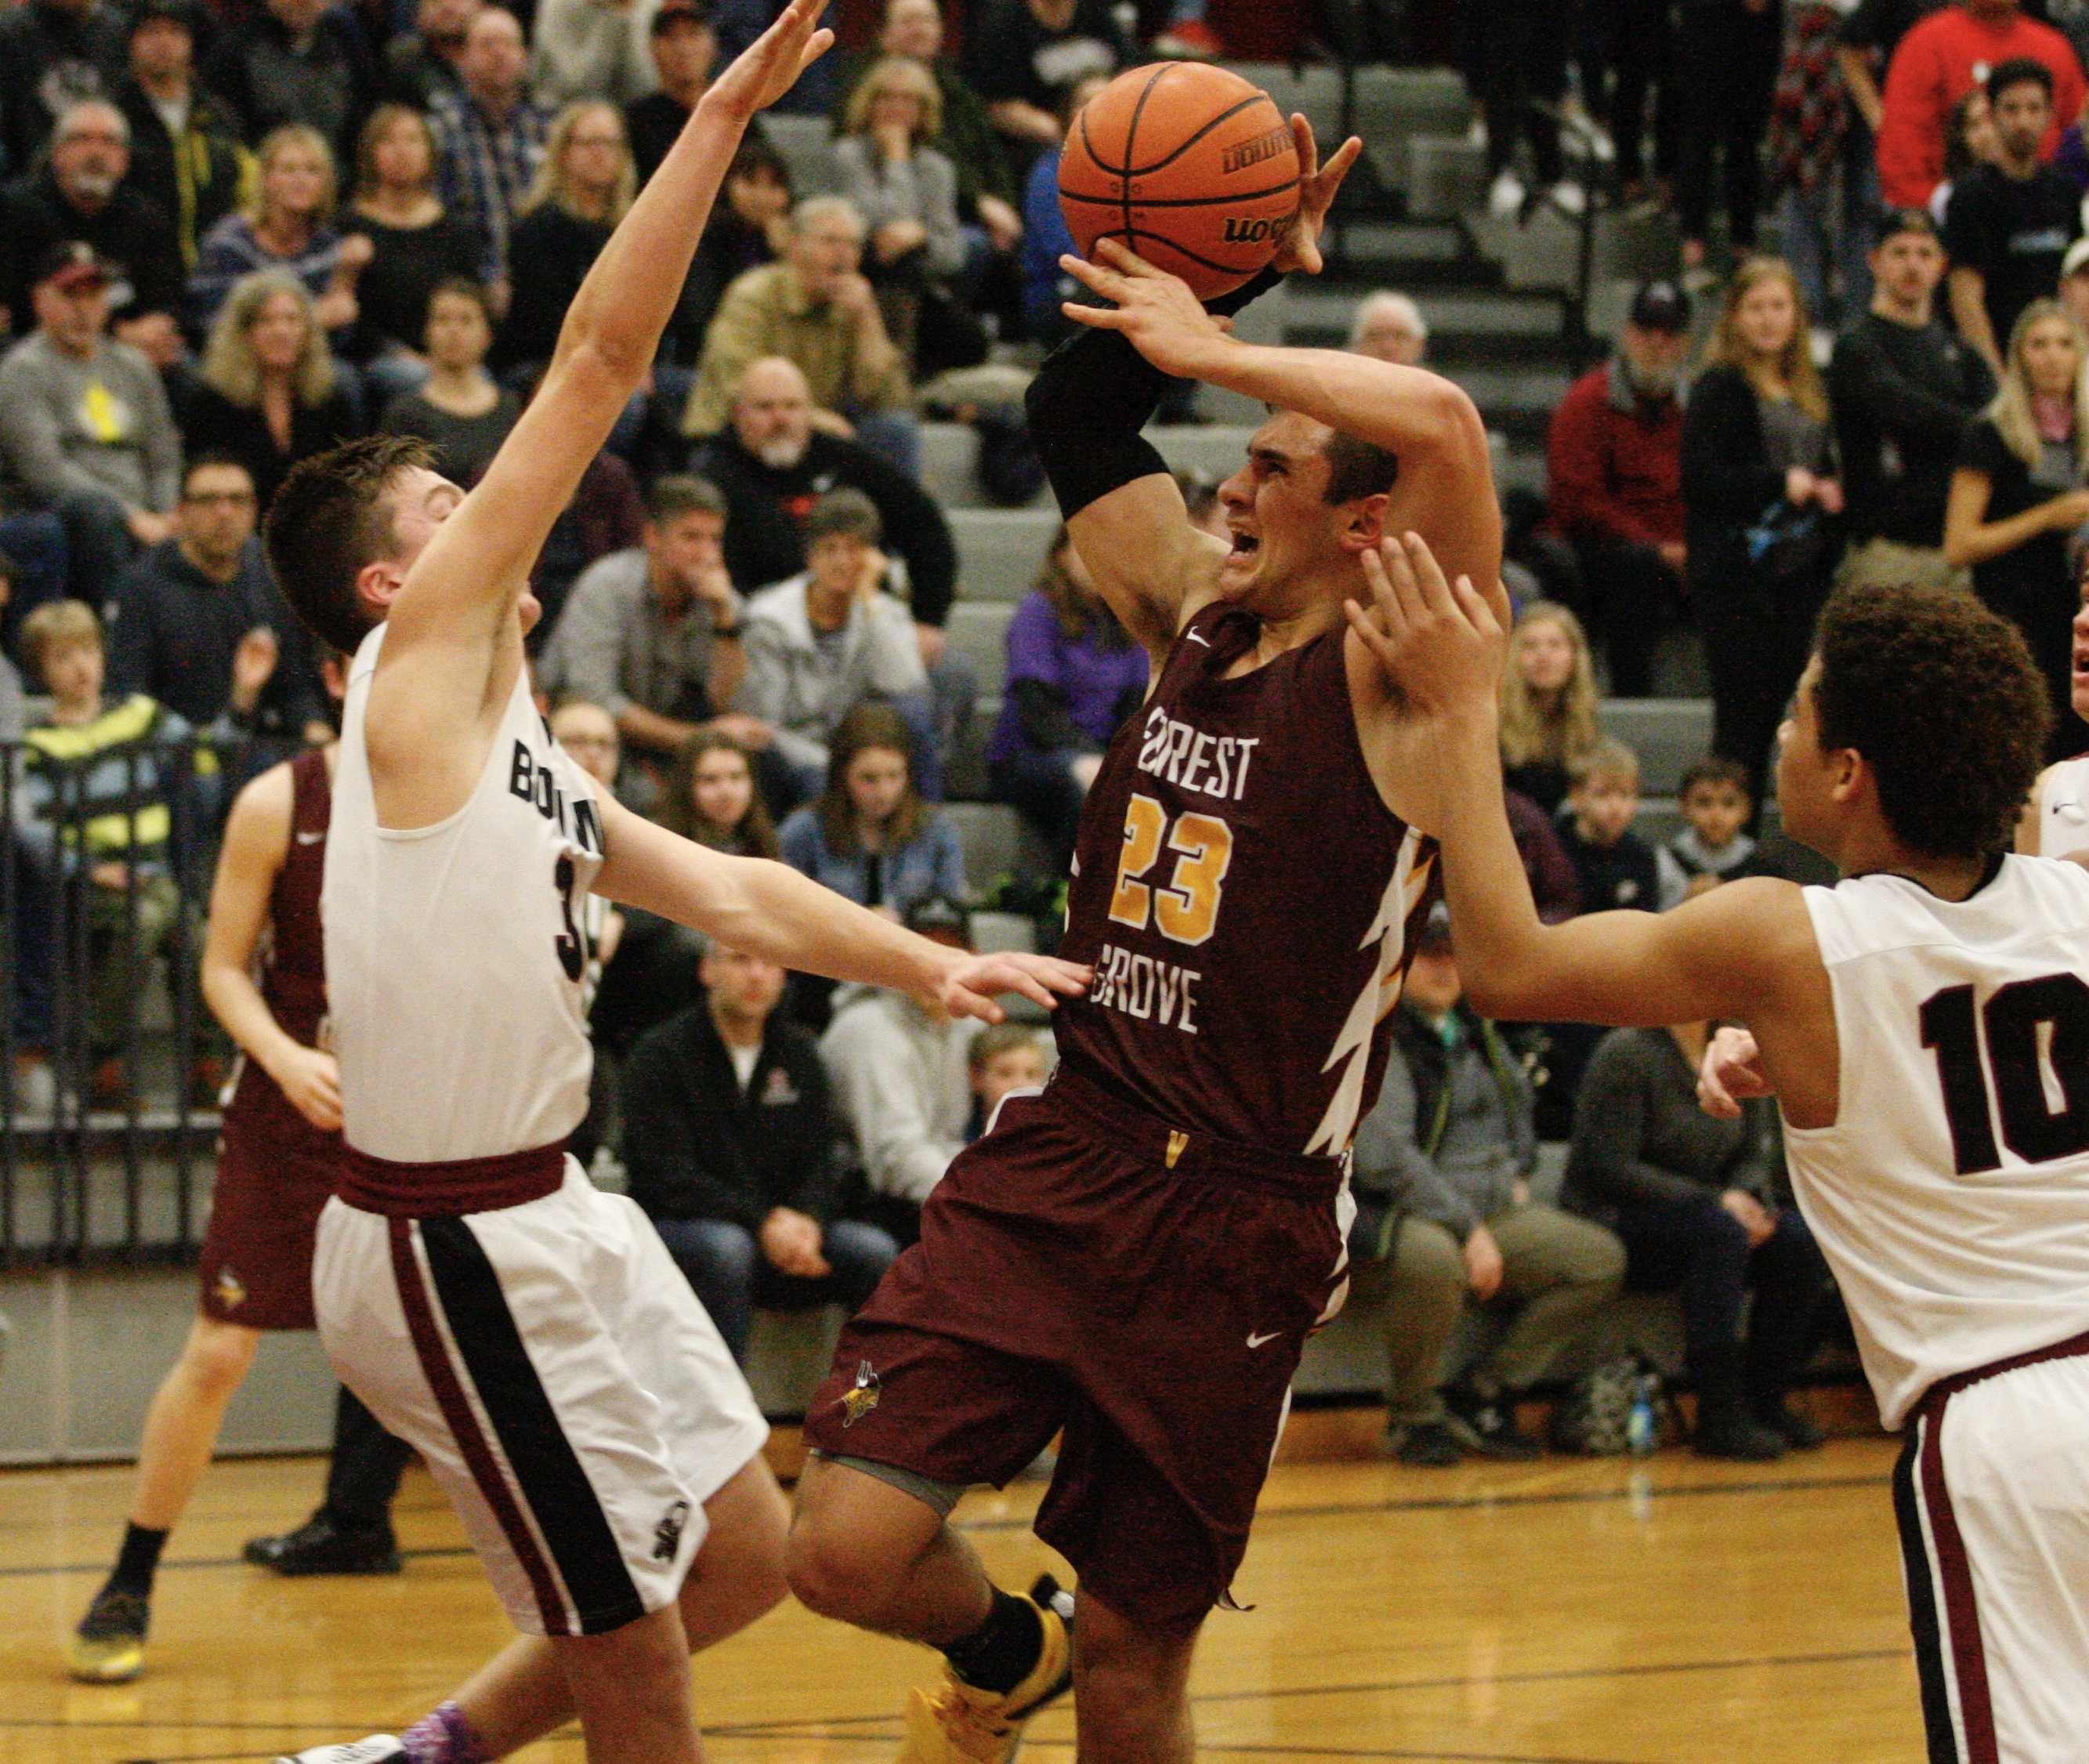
{"x":907,"y":192}
{"x":1548,"y":703}
{"x":269,"y":395}
{"x":287,"y":225}
{"x":1763,"y":504}
{"x":2017,"y":507}
{"x":584,"y":185}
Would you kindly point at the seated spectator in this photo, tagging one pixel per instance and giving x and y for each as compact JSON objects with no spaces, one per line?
{"x":653,"y":634}
{"x":414,"y":247}
{"x":1006,"y":1060}
{"x":606,"y":515}
{"x":94,"y":808}
{"x":269,"y":395}
{"x":907,"y":192}
{"x":1904,"y":391}
{"x":492,"y":136}
{"x":186,"y":157}
{"x":584,"y":188}
{"x":1942,"y":58}
{"x":683,"y":50}
{"x":2017,"y":505}
{"x":710,"y":797}
{"x":425,"y":63}
{"x":79,"y":194}
{"x":1022,"y":56}
{"x":820,"y":642}
{"x":1548,"y":704}
{"x":1614,"y":461}
{"x":1713,"y":847}
{"x":84,"y":425}
{"x":459,"y":410}
{"x":869,"y":835}
{"x":1074,"y":676}
{"x":1690,"y":1198}
{"x":288,"y":225}
{"x":815,"y":310}
{"x":54,"y":53}
{"x":750,"y":227}
{"x":1759,"y":481}
{"x":185,"y":611}
{"x":729,"y":1142}
{"x":584,"y":49}
{"x":1556,"y":887}
{"x":1046,"y":237}
{"x":1442,"y":1167}
{"x":2009,"y":224}
{"x":774,"y":465}
{"x":901,"y":1071}
{"x":1389,"y":326}
{"x":296,"y":64}
{"x":1971,"y":143}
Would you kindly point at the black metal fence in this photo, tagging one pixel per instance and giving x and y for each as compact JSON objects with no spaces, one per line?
{"x":110,"y":1065}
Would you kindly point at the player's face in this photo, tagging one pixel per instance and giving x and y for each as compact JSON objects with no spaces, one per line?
{"x":876,"y":780}
{"x":2078,"y":675}
{"x":723,"y":789}
{"x":1716,"y":811}
{"x":1278,"y":517}
{"x":1804,"y":802}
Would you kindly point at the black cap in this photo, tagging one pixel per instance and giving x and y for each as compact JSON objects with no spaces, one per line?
{"x":181,"y":12}
{"x":73,"y":265}
{"x":934,"y":913}
{"x":674,"y":12}
{"x":1660,"y":306}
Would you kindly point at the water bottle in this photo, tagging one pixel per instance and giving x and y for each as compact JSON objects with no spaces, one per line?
{"x":1639,"y":1424}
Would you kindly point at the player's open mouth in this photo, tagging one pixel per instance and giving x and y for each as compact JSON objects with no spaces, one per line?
{"x":1244,"y":543}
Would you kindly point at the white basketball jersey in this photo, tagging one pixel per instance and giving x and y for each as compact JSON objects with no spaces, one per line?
{"x":455,"y":955}
{"x":2063,"y":810}
{"x":1952,"y":1195}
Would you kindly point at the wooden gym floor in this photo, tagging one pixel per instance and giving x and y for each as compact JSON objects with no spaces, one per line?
{"x":1563,"y":1612}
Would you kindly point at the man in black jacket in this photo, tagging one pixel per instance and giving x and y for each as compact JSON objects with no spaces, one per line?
{"x":295,"y":61}
{"x":192,"y":172}
{"x":1903,"y":389}
{"x":53,"y":52}
{"x":729,"y":1141}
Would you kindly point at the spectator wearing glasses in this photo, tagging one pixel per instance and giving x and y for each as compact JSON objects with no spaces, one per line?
{"x":54,"y":53}
{"x":584,"y":188}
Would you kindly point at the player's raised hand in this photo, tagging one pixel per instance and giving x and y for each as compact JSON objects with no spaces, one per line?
{"x":1732,"y":1074}
{"x":1166,"y":322}
{"x":1299,"y":249}
{"x":770,"y":65}
{"x":970,"y":985}
{"x":1442,"y":644}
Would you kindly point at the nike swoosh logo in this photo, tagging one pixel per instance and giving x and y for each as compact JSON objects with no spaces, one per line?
{"x":310,"y":838}
{"x":1195,"y":638}
{"x":1257,"y":1341}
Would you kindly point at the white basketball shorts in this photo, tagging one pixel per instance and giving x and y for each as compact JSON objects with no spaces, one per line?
{"x":1992,"y":1494}
{"x":551,"y":1365}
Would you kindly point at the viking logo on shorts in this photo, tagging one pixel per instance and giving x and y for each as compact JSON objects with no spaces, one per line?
{"x":667,"y":1534}
{"x":859,"y":1402}
{"x":231,"y":1293}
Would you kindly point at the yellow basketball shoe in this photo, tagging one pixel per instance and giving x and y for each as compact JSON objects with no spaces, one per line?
{"x":959,"y":1723}
{"x":108,"y":1647}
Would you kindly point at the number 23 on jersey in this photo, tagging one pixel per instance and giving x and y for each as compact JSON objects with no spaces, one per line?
{"x":1186,"y":907}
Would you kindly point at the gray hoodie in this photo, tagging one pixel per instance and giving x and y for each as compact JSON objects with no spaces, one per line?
{"x":802,"y":688}
{"x":902,"y":1081}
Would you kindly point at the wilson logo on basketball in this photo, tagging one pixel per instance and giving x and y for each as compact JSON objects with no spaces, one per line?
{"x":1241,"y":232}
{"x":1254,"y":152}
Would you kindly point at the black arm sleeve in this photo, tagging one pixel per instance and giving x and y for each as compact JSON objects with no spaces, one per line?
{"x":1089,"y":401}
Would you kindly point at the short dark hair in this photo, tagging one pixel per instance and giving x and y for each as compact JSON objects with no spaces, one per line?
{"x":755,"y":155}
{"x":680,"y":493}
{"x":1943,"y":701}
{"x":216,"y":459}
{"x":2019,"y":70}
{"x":1896,"y":221}
{"x":327,"y":521}
{"x":1357,"y":469}
{"x":1716,"y":768}
{"x":849,"y":512}
{"x":464,"y":287}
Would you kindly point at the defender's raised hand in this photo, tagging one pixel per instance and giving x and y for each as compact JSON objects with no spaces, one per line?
{"x":1442,"y":644}
{"x":1300,"y":248}
{"x":770,"y":65}
{"x":1165,"y":322}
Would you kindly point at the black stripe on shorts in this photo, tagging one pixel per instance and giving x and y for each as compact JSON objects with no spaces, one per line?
{"x":1937,"y":1722}
{"x":563,"y":1501}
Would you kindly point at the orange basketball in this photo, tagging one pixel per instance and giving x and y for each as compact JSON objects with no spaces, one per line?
{"x":1192,"y":166}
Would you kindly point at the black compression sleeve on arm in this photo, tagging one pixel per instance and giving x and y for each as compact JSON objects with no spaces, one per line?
{"x":1089,"y":401}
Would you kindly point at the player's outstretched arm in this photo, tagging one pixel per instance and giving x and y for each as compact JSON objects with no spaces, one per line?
{"x":770,"y":910}
{"x":257,"y":839}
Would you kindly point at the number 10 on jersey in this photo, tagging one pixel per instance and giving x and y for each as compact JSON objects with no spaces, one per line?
{"x":1186,"y":907}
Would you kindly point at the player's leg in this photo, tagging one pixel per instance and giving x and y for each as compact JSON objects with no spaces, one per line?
{"x":1132,"y":1700}
{"x":180,"y":1432}
{"x":880,"y":1555}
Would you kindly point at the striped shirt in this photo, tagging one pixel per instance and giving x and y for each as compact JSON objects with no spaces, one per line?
{"x":486,"y":167}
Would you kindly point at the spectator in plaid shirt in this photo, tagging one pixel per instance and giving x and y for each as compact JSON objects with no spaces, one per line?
{"x":493,"y":141}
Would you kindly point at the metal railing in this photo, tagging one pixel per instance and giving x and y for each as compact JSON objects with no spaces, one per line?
{"x":108,"y":1056}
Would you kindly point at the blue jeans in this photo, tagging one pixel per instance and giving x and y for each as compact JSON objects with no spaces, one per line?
{"x":725,"y":1267}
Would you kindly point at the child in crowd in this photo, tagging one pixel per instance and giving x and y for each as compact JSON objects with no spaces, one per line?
{"x":1004,"y":1059}
{"x":1712,"y":848}
{"x":1616,"y":867}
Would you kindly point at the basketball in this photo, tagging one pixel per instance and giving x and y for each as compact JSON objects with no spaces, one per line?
{"x":1192,"y":167}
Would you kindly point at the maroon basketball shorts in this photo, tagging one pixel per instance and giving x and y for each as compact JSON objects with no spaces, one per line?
{"x":273,"y":1177}
{"x":1149,"y":1291}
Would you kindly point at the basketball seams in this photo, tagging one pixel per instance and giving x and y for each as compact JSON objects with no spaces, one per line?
{"x":1132,"y":235}
{"x":1130,"y":138}
{"x":1181,"y":201}
{"x":1224,"y":116}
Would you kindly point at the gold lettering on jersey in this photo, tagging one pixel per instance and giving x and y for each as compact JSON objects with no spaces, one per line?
{"x":1194,"y":759}
{"x":1142,"y":987}
{"x":537,"y":785}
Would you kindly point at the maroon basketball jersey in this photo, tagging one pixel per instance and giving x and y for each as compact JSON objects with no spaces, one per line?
{"x":1248,"y":900}
{"x":293,"y":970}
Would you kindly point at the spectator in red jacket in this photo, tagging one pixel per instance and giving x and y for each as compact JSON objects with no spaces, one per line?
{"x":1614,"y":458}
{"x":1942,"y":58}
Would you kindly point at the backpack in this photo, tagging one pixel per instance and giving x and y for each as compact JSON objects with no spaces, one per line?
{"x":1593,"y":1418}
